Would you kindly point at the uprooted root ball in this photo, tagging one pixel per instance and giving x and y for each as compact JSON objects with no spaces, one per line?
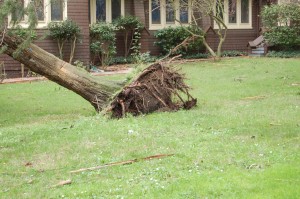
{"x":157,"y":88}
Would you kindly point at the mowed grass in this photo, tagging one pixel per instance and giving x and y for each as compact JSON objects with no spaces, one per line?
{"x":241,"y":141}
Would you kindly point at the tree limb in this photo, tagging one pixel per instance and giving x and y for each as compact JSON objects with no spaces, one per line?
{"x":121,"y":163}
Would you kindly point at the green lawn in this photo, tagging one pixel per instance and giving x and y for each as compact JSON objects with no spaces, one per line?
{"x":241,"y":141}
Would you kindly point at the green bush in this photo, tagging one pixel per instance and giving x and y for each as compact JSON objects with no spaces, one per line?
{"x":284,"y":54}
{"x":62,"y":32}
{"x":197,"y":56}
{"x":142,"y":58}
{"x":282,"y":25}
{"x":121,"y":60}
{"x":130,"y":27}
{"x":170,"y":37}
{"x":232,"y":53}
{"x":24,"y":33}
{"x":103,"y":41}
{"x":65,"y":30}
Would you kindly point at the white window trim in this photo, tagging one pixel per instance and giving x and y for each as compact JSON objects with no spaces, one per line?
{"x":108,"y":10}
{"x":238,"y":24}
{"x":163,"y":22}
{"x":47,"y":13}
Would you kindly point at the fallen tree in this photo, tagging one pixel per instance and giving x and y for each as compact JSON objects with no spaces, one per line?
{"x":158,"y":87}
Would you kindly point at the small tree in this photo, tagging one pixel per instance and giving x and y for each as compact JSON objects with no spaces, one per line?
{"x":130,"y":26}
{"x":103,"y":41}
{"x":282,"y":25}
{"x":62,"y":32}
{"x":214,"y":9}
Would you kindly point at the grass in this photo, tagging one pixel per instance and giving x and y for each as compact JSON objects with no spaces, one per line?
{"x":241,"y":141}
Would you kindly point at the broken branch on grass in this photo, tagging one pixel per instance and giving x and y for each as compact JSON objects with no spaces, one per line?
{"x":122,"y":163}
{"x":254,"y":98}
{"x":62,"y":183}
{"x":173,"y":58}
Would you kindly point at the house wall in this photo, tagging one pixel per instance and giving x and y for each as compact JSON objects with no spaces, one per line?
{"x":149,"y":43}
{"x":78,"y":11}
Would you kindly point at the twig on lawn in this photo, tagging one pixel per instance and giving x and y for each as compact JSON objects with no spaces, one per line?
{"x":275,"y":124}
{"x":62,"y":183}
{"x":121,"y":163}
{"x":254,"y":98}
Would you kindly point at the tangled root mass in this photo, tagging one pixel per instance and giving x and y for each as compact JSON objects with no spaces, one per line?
{"x":157,"y":88}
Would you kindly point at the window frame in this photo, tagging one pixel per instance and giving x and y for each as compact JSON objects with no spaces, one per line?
{"x":238,"y":24}
{"x":47,"y":15}
{"x":163,"y":21}
{"x":107,"y":9}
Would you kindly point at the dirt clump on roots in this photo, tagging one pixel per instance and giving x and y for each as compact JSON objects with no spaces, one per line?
{"x":157,"y":88}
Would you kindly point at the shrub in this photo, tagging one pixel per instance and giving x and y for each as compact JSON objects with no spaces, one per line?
{"x":103,"y":41}
{"x":81,"y":65}
{"x":62,"y":32}
{"x":284,"y":54}
{"x":143,"y":58}
{"x":197,"y":56}
{"x":24,"y":33}
{"x":131,"y":28}
{"x":282,"y":25}
{"x":233,"y":53}
{"x":121,"y":60}
{"x":170,"y":37}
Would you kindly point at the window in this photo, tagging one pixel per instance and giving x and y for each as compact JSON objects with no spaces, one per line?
{"x":40,"y":10}
{"x":165,"y":13}
{"x":237,"y":14}
{"x":106,"y":10}
{"x":47,"y":11}
{"x":57,"y":10}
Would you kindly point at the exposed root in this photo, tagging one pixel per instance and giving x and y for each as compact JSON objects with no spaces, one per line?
{"x":157,"y":88}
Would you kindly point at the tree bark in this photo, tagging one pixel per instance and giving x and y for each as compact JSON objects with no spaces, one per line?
{"x":97,"y":92}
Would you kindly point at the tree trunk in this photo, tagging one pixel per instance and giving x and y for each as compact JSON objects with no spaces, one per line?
{"x":97,"y":92}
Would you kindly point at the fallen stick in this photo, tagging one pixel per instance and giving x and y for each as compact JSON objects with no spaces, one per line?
{"x":121,"y":163}
{"x":295,"y":84}
{"x":275,"y":124}
{"x":62,"y":183}
{"x":254,"y":98}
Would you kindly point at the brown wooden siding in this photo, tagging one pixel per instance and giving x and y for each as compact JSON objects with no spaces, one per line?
{"x":78,"y":11}
{"x":148,"y":44}
{"x":129,"y":7}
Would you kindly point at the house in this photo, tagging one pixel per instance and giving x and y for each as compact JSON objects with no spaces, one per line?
{"x":243,"y":23}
